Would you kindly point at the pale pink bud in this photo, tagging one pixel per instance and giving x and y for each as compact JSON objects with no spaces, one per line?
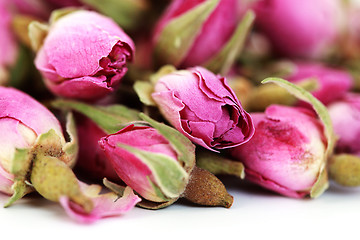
{"x":287,"y":150}
{"x":22,"y":120}
{"x":345,"y":115}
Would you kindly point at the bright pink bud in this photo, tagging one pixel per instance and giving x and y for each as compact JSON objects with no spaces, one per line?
{"x":345,"y":115}
{"x":203,"y":107}
{"x":287,"y":151}
{"x":139,"y":155}
{"x":299,"y":28}
{"x":215,"y":31}
{"x":22,"y":120}
{"x":84,"y":56}
{"x":92,"y":160}
{"x":332,"y":83}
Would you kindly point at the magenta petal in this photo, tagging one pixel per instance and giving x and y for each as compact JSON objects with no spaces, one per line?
{"x":74,"y":88}
{"x":204,"y":108}
{"x":105,"y":205}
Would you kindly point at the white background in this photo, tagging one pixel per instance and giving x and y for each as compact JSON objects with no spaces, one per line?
{"x":255,"y":214}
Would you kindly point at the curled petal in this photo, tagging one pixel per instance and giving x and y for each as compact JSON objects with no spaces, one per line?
{"x":105,"y":205}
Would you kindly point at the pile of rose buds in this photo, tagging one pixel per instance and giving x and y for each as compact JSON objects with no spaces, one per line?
{"x":106,"y":105}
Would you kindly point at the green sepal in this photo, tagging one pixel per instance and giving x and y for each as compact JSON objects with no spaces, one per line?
{"x":37,"y":34}
{"x":20,"y":189}
{"x":155,"y":205}
{"x":169,"y":175}
{"x":71,"y":148}
{"x":119,"y":190}
{"x":49,"y":143}
{"x":321,"y":184}
{"x":223,"y":60}
{"x":322,"y":180}
{"x":110,"y":118}
{"x":178,"y":35}
{"x":21,"y":164}
{"x":53,"y":179}
{"x":144,"y":89}
{"x":264,"y":95}
{"x":217,"y":164}
{"x":184,"y":148}
{"x":127,"y":13}
{"x":59,"y":13}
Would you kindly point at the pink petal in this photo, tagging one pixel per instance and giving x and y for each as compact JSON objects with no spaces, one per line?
{"x":95,"y":87}
{"x":105,"y":205}
{"x":13,"y":104}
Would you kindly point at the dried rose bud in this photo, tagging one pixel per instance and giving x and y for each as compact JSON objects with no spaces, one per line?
{"x":22,"y":122}
{"x":136,"y":153}
{"x":291,"y":146}
{"x":203,"y":107}
{"x":84,"y":54}
{"x":329,"y":80}
{"x":286,"y":152}
{"x":345,"y":115}
{"x":159,"y":164}
{"x":208,"y":33}
{"x":306,"y":33}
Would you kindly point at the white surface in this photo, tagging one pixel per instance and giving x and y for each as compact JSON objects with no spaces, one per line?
{"x":255,"y":214}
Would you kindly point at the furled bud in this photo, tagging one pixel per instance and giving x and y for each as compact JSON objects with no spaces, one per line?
{"x":203,"y":107}
{"x":289,"y":151}
{"x":23,"y":123}
{"x":286,"y":152}
{"x":345,"y":115}
{"x":209,"y":33}
{"x":309,"y":32}
{"x":329,"y":80}
{"x":84,"y":55}
{"x":157,"y":162}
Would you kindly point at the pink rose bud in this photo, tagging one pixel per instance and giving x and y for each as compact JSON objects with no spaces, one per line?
{"x":287,"y":150}
{"x":299,"y":28}
{"x":92,"y":160}
{"x":8,"y":45}
{"x":215,"y":27}
{"x":22,"y":121}
{"x":84,"y":55}
{"x":332,"y":83}
{"x":345,"y":115}
{"x":137,"y":153}
{"x":203,"y":107}
{"x":158,"y":162}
